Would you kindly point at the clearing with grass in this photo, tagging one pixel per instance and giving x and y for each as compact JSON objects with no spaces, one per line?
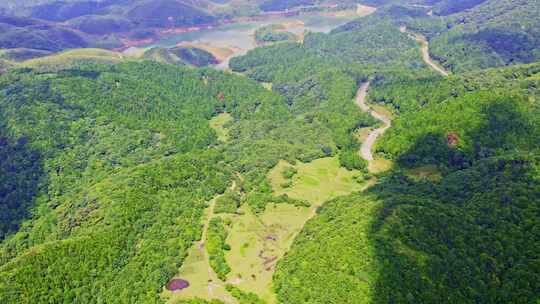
{"x":269,"y":152}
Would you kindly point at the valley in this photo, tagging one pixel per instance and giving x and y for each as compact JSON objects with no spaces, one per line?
{"x":269,"y":151}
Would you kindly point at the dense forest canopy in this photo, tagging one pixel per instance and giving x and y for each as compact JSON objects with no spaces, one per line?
{"x":135,"y":137}
{"x":448,"y":238}
{"x":110,"y":167}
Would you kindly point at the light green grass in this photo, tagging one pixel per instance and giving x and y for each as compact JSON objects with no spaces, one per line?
{"x":67,"y":58}
{"x":383,"y":110}
{"x":379,"y":165}
{"x":316,"y":182}
{"x":267,"y":85}
{"x":363,"y":133}
{"x":204,"y":283}
{"x":218,"y":124}
{"x":195,"y":270}
{"x":258,"y":242}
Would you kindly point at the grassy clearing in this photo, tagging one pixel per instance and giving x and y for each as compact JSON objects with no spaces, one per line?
{"x":195,"y":271}
{"x":316,"y":182}
{"x":258,"y":242}
{"x":204,"y":283}
{"x":77,"y":54}
{"x":67,"y":58}
{"x":379,"y":165}
{"x":218,"y":124}
{"x":427,"y":172}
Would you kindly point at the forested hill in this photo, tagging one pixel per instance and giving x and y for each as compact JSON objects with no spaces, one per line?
{"x":492,"y":33}
{"x":455,"y":220}
{"x":107,"y":170}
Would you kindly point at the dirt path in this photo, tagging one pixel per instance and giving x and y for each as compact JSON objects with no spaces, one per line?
{"x":201,"y":245}
{"x":214,"y":281}
{"x":425,"y":51}
{"x":367,"y":145}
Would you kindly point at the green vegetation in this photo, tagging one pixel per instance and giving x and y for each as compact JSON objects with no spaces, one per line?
{"x":194,"y":56}
{"x":194,"y":269}
{"x":22,"y":54}
{"x":499,"y":101}
{"x":102,"y":181}
{"x":351,"y":160}
{"x":162,"y":55}
{"x":342,"y":270}
{"x":244,"y":297}
{"x":180,"y":56}
{"x":228,"y":202}
{"x":288,"y":172}
{"x":72,"y":58}
{"x":4,"y":66}
{"x":219,"y":124}
{"x":316,"y":182}
{"x":493,"y":33}
{"x":216,"y":247}
{"x":443,"y":224}
{"x":198,"y":301}
{"x":431,"y":232}
{"x":258,"y":241}
{"x":422,"y":240}
{"x":109,"y":171}
{"x":99,"y":133}
{"x":273,"y":33}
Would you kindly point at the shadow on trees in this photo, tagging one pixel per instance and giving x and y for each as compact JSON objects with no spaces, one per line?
{"x":20,"y":172}
{"x":472,"y":237}
{"x":511,"y":43}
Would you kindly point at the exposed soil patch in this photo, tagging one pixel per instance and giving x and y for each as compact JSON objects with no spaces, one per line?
{"x":452,"y":139}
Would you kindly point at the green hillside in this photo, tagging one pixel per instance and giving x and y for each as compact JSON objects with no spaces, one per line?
{"x":464,"y":237}
{"x":395,"y":159}
{"x":443,"y":224}
{"x":121,"y":154}
{"x":494,"y":33}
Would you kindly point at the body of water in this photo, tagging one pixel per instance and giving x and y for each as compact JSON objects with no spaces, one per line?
{"x":240,"y":35}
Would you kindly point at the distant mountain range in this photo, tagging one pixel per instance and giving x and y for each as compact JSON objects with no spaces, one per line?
{"x":52,"y":25}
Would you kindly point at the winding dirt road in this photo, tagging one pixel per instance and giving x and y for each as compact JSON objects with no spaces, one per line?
{"x":367,"y":145}
{"x":425,"y":51}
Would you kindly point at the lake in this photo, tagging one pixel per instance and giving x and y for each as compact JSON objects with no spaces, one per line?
{"x":239,"y":36}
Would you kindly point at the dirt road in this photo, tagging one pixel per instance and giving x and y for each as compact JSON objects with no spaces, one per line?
{"x":367,"y":145}
{"x":425,"y":51}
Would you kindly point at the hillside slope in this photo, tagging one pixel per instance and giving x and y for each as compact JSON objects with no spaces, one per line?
{"x":107,"y":188}
{"x":462,"y":234}
{"x":492,"y":33}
